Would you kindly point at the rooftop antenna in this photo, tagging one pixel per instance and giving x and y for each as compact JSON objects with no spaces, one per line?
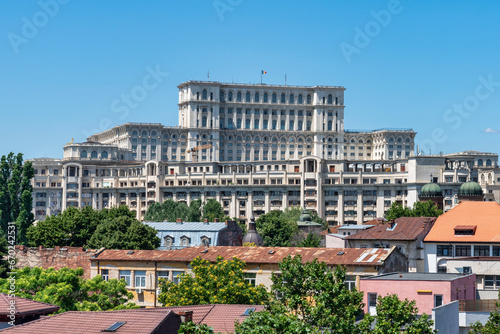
{"x":285,"y":79}
{"x":208,"y":75}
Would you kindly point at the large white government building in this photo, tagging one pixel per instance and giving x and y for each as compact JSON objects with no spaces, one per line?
{"x":256,"y":148}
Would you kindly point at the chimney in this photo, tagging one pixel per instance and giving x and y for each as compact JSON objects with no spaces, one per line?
{"x":186,"y":316}
{"x":216,"y":220}
{"x":178,"y":220}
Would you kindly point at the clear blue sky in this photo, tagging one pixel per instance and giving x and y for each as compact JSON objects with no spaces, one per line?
{"x":61,"y":69}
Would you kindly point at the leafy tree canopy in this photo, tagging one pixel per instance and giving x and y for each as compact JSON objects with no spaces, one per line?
{"x":213,"y":283}
{"x":420,"y":209}
{"x":311,"y":240}
{"x":69,"y":290}
{"x":276,"y":230}
{"x":195,"y":212}
{"x":395,"y":316}
{"x":191,"y":328}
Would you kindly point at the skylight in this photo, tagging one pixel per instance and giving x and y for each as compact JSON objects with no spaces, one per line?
{"x":248,"y":311}
{"x":114,"y":326}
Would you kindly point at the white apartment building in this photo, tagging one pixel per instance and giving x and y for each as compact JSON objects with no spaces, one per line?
{"x":255,"y":148}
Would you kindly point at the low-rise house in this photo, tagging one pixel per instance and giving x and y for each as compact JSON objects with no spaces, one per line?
{"x":338,"y":239}
{"x":17,"y":310}
{"x":466,"y":239}
{"x":428,"y":290}
{"x":142,"y":269}
{"x":179,"y":234}
{"x":125,"y":321}
{"x":406,"y":233}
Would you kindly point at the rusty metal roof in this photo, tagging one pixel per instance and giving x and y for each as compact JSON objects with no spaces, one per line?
{"x":260,"y":255}
{"x":404,"y":228}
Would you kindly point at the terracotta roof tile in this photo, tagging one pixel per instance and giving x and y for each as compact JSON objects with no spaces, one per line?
{"x":74,"y":322}
{"x":24,"y":307}
{"x":332,"y":256}
{"x":484,"y":215}
{"x":406,"y":228}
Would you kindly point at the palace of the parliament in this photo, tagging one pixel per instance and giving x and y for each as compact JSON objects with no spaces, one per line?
{"x":256,"y":148}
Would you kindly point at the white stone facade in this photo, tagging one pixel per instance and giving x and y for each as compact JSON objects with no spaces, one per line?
{"x":266,"y":147}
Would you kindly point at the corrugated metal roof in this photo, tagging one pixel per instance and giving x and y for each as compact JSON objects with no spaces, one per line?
{"x":271,"y":255}
{"x":405,"y":228}
{"x":187,"y":226}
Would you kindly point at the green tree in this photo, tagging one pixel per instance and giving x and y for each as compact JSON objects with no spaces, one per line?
{"x":420,"y":209}
{"x":16,"y":194}
{"x":213,"y":209}
{"x":191,"y":328}
{"x":124,"y":232}
{"x":276,"y":230}
{"x":68,"y":289}
{"x":311,"y":240}
{"x":194,"y":213}
{"x":395,"y":316}
{"x":312,"y":299}
{"x":73,"y":227}
{"x":4,"y":265}
{"x":167,"y":211}
{"x":213,"y":283}
{"x":492,"y":326}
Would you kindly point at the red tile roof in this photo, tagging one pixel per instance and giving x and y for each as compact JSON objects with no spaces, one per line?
{"x":484,"y":215}
{"x":75,"y":322}
{"x":220,"y":317}
{"x":406,"y":228}
{"x":272,"y":255}
{"x":24,"y":307}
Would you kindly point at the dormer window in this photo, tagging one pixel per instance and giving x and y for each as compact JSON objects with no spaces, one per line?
{"x":205,"y":241}
{"x":184,"y":241}
{"x":465,"y":229}
{"x":169,"y":241}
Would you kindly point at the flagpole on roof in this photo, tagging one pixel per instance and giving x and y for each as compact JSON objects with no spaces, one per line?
{"x":261,"y":72}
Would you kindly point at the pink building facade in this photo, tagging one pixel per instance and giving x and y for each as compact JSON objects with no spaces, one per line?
{"x":428,"y":290}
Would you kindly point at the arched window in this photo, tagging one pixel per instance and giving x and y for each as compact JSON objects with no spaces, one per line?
{"x":238,"y":96}
{"x":308,"y":126}
{"x":308,"y":99}
{"x":274,"y":98}
{"x":247,"y":123}
{"x":204,"y":121}
{"x":83,"y":154}
{"x":264,"y":125}
{"x":291,"y":99}
{"x":221,"y":123}
{"x":134,"y":133}
{"x":169,"y":241}
{"x":184,"y":241}
{"x":238,"y":123}
{"x":391,"y":140}
{"x":283,"y":125}
{"x":204,"y":94}
{"x":299,"y":100}
{"x":300,"y":125}
{"x":256,"y":97}
{"x":93,"y":154}
{"x":221,"y":96}
{"x":330,"y":99}
{"x":104,"y":155}
{"x":230,"y":96}
{"x":266,"y":98}
{"x":275,"y":122}
{"x":330,"y":125}
{"x":256,"y":124}
{"x":488,"y":163}
{"x":291,"y":125}
{"x":144,"y":133}
{"x":230,"y":123}
{"x":247,"y":97}
{"x":283,"y":98}
{"x":205,"y":241}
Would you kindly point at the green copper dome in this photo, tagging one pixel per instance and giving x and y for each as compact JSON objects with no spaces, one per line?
{"x":305,"y":216}
{"x":431,"y":190}
{"x":470,"y":188}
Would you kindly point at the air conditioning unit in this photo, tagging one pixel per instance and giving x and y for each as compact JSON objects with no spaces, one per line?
{"x":138,"y":291}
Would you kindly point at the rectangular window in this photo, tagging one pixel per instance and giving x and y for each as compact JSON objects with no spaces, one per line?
{"x":462,"y":250}
{"x":489,"y":281}
{"x":176,"y":276}
{"x":481,"y":250}
{"x":140,"y":278}
{"x":250,"y":278}
{"x":496,"y":251}
{"x":372,"y":299}
{"x":438,"y":300}
{"x":444,"y":250}
{"x":126,"y":275}
{"x":105,"y":274}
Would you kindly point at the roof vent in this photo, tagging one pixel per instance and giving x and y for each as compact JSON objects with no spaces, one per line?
{"x":204,"y":251}
{"x":248,"y":311}
{"x":465,"y":229}
{"x":272,"y":251}
{"x":114,"y":326}
{"x":130,"y":252}
{"x":341,"y":253}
